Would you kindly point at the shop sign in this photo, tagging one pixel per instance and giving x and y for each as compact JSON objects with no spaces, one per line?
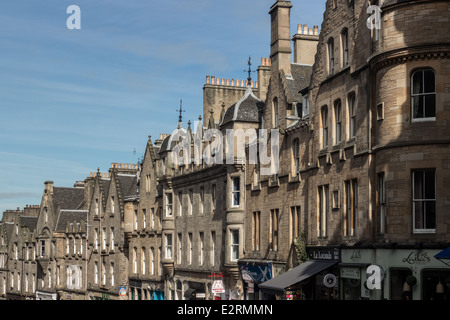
{"x":122,"y":291}
{"x":350,"y":273}
{"x":257,"y":273}
{"x":417,"y":258}
{"x":356,"y":255}
{"x":218,"y":287}
{"x":325,"y":254}
{"x":329,"y":280}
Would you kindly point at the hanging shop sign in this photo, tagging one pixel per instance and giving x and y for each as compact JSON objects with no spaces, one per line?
{"x":329,"y":280}
{"x":122,"y":291}
{"x":218,"y":287}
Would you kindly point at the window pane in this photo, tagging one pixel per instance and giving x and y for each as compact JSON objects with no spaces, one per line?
{"x":417,"y":82}
{"x":430,"y":218}
{"x":430,"y":105}
{"x":429,"y":81}
{"x":418,"y":185}
{"x":429,"y":185}
{"x":418,"y":214}
{"x":417,"y":102}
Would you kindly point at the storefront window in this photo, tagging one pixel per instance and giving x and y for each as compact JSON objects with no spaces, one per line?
{"x":435,"y":284}
{"x":401,"y":288}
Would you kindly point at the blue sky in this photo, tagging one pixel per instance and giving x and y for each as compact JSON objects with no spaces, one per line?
{"x":75,"y":100}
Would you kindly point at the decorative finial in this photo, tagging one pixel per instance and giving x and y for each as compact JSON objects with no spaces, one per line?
{"x":180,"y":117}
{"x":249,"y":79}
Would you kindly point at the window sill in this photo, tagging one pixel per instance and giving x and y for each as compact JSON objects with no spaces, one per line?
{"x":418,"y":120}
{"x":424,"y":231}
{"x":294,"y":179}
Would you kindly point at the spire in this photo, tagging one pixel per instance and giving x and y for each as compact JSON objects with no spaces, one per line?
{"x":249,"y":78}
{"x":180,"y":117}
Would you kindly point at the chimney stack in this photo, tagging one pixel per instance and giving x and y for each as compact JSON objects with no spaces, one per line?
{"x":305,"y":44}
{"x":280,"y":44}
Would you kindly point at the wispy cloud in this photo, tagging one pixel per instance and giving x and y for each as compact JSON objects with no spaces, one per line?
{"x":16,"y":195}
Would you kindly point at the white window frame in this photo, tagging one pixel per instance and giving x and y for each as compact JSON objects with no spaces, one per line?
{"x":414,"y":201}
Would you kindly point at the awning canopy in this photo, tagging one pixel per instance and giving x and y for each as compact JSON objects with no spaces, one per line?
{"x":305,"y":270}
{"x":444,"y":254}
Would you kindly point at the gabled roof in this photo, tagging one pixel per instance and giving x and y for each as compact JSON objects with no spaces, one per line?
{"x":299,"y":79}
{"x":29,"y":222}
{"x":128,"y":185}
{"x":68,"y":198}
{"x":69,"y":216}
{"x":246,"y":109}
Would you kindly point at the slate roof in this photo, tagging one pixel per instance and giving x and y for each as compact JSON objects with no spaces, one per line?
{"x":246,"y":109}
{"x":68,"y":198}
{"x":105,"y":184}
{"x":301,"y":77}
{"x":29,"y":222}
{"x":128,"y":185}
{"x":69,"y":217}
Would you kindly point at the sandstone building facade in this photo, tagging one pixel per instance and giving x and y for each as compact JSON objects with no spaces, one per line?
{"x":357,"y":207}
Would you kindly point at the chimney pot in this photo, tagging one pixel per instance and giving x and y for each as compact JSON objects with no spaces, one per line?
{"x":299,"y":29}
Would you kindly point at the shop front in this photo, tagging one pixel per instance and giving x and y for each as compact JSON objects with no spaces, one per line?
{"x":394,"y":274}
{"x":142,"y":290}
{"x":315,"y":279}
{"x":253,"y":273}
{"x":40,"y":295}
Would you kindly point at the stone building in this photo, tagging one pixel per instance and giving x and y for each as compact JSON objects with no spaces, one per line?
{"x":276,"y":203}
{"x":114,"y":196}
{"x":71,"y":273}
{"x":143,"y":232}
{"x":347,"y":197}
{"x":56,"y":202}
{"x":17,"y":260}
{"x":374,"y":188}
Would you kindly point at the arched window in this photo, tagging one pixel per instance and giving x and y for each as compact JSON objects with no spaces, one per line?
{"x":423,"y":94}
{"x":296,"y":156}
{"x":144,"y":270}
{"x":134,"y":260}
{"x":344,"y":40}
{"x":338,"y":121}
{"x":330,"y":47}
{"x":324,"y":113}
{"x":152,"y":261}
{"x":351,"y":115}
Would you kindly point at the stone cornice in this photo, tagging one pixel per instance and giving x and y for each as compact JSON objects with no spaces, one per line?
{"x":401,"y":55}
